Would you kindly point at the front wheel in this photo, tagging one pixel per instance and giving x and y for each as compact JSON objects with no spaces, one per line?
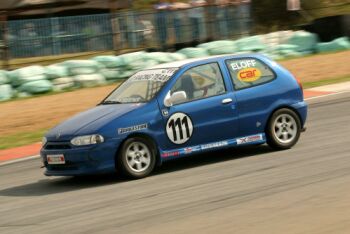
{"x":137,"y":158}
{"x":283,"y":130}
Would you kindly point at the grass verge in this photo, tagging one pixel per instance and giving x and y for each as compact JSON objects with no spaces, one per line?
{"x":312,"y":84}
{"x":21,"y":139}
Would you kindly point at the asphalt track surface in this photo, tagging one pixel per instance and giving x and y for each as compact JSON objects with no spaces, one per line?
{"x":247,"y":190}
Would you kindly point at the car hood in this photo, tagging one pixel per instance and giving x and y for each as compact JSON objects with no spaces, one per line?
{"x":89,"y":120}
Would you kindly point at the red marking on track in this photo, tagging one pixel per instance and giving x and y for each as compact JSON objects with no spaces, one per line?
{"x":20,"y":152}
{"x":309,"y":93}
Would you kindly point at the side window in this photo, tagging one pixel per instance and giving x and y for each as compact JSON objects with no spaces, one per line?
{"x":249,"y":72}
{"x":200,"y":82}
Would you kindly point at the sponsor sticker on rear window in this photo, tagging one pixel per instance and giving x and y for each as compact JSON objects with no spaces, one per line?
{"x":242,"y":64}
{"x":249,"y":74}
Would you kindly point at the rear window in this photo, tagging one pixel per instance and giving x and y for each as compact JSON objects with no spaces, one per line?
{"x":249,"y":72}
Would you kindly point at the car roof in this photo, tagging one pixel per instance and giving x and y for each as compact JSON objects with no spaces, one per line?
{"x":181,"y":63}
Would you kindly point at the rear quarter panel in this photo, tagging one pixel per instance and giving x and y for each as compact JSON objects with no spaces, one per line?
{"x":256,"y":104}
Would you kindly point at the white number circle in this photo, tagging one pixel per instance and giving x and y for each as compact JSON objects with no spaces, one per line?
{"x":179,"y":128}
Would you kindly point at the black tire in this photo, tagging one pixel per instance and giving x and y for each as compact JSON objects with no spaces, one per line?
{"x":124,"y":162}
{"x":277,"y":129}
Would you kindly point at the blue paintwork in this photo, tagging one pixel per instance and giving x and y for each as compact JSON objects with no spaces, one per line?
{"x":213,"y":122}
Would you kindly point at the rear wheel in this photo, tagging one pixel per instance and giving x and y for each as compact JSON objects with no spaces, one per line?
{"x":136,"y":158}
{"x":283,"y":130}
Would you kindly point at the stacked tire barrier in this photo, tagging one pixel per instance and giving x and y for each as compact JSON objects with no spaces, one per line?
{"x":102,"y":70}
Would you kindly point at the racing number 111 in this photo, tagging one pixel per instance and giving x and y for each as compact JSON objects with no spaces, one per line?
{"x":180,"y":125}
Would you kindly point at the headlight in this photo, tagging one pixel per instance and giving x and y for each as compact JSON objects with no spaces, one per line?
{"x":87,"y":140}
{"x":43,"y":141}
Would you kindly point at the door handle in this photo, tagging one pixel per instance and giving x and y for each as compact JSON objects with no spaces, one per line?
{"x":226,"y":101}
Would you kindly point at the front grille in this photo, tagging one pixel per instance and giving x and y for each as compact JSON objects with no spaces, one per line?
{"x":57,"y":146}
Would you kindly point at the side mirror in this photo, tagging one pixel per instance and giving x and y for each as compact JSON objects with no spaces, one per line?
{"x":175,"y":98}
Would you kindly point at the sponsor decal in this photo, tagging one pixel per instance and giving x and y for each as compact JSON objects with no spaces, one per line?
{"x":243,"y":64}
{"x":249,"y":74}
{"x":132,"y":128}
{"x":248,"y":139}
{"x":179,"y":128}
{"x":160,"y":75}
{"x":214,"y":145}
{"x":170,"y":154}
{"x":188,"y":150}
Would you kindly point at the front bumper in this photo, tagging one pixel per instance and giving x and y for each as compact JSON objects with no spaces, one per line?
{"x":83,"y":160}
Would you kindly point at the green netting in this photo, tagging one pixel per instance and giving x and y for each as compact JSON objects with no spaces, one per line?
{"x":289,"y":53}
{"x":36,"y":87}
{"x":273,"y":56}
{"x":177,"y":56}
{"x":254,"y":43}
{"x":160,"y":57}
{"x":19,"y":81}
{"x":63,"y":83}
{"x":56,"y":71}
{"x":132,"y":57}
{"x":223,"y":50}
{"x":82,"y":67}
{"x":219,"y":47}
{"x":286,"y":47}
{"x":27,"y":74}
{"x":110,"y":61}
{"x":213,"y":44}
{"x":6,"y":92}
{"x":192,"y":52}
{"x":125,"y":74}
{"x":110,"y":74}
{"x":35,"y":70}
{"x":4,"y":79}
{"x":283,"y":51}
{"x":89,"y":80}
{"x":338,"y":44}
{"x":304,"y":40}
{"x":150,"y":63}
{"x":139,"y":65}
{"x":23,"y":94}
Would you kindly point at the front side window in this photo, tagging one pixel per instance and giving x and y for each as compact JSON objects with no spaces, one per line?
{"x":141,"y":87}
{"x":249,"y":72}
{"x":200,"y":82}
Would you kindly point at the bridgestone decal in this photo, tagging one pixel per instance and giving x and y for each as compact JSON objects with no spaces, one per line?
{"x":132,"y":128}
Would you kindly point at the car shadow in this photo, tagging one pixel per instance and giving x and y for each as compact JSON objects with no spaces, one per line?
{"x":65,"y":184}
{"x":60,"y":185}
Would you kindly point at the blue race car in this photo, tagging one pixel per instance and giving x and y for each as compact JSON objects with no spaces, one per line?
{"x":178,"y":109}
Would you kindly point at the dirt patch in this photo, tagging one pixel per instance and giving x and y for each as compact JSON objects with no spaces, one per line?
{"x":319,"y":67}
{"x":47,"y":111}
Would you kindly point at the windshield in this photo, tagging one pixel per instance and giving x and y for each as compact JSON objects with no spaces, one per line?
{"x":141,"y":87}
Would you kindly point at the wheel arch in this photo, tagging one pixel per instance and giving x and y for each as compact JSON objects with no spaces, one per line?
{"x":145,"y":136}
{"x":283,"y":107}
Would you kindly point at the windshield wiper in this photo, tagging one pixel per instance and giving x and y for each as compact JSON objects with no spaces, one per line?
{"x":110,"y":102}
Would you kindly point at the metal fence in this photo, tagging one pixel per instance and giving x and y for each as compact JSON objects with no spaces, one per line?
{"x":124,"y":30}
